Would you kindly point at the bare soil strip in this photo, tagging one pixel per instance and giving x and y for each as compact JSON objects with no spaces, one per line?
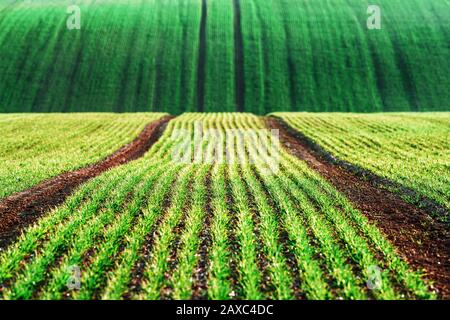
{"x":431,"y":207}
{"x":201,"y":68}
{"x":284,"y":241}
{"x":423,"y":241}
{"x":21,"y":209}
{"x":239,"y":57}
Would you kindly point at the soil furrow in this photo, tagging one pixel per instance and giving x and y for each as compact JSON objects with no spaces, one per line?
{"x":146,"y":251}
{"x":284,"y":241}
{"x":239,"y":57}
{"x":422,"y":240}
{"x":267,"y":287}
{"x":201,"y":68}
{"x":21,"y":209}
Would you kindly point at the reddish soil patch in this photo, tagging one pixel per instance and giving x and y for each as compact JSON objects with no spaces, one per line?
{"x":21,"y":209}
{"x":423,"y":241}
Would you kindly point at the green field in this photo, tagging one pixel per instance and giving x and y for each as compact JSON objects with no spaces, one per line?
{"x":412,"y":149}
{"x":36,"y":147}
{"x":257,"y":56}
{"x":261,"y":224}
{"x":348,"y":199}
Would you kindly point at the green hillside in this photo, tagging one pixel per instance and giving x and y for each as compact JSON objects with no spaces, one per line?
{"x":224,"y":55}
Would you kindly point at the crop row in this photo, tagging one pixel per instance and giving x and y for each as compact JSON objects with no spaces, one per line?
{"x":34,"y":148}
{"x":410,"y":149}
{"x":237,"y":222}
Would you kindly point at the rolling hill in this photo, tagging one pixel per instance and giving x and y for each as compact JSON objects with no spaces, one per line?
{"x":257,"y":56}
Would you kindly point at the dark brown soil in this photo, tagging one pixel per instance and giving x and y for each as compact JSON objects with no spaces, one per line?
{"x":201,"y":68}
{"x":423,"y":241}
{"x":200,"y":283}
{"x":21,"y":209}
{"x":239,"y":57}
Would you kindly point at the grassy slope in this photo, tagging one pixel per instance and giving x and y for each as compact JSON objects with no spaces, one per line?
{"x":321,"y":55}
{"x":412,"y":149}
{"x":298,"y":55}
{"x":36,"y":147}
{"x":268,"y":232}
{"x":128,"y":56}
{"x":219,"y":80}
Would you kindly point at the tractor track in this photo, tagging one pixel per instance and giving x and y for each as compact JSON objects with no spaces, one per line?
{"x":239,"y":58}
{"x":201,"y":67}
{"x":22,"y":209}
{"x":422,"y":240}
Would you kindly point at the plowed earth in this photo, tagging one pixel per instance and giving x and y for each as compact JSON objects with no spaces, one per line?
{"x":21,"y":209}
{"x":422,"y":240}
